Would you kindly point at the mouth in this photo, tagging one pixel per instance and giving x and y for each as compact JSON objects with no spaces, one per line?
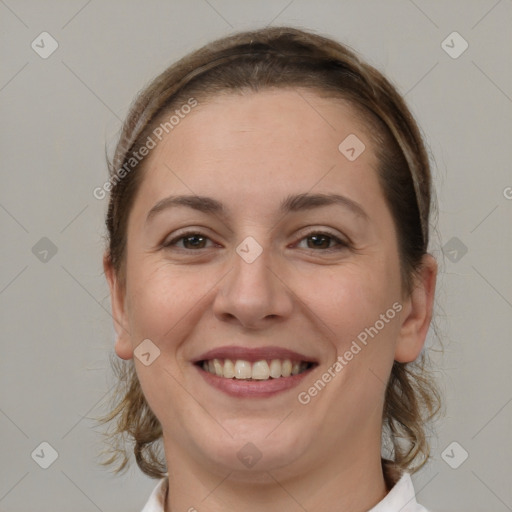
{"x":254,"y":372}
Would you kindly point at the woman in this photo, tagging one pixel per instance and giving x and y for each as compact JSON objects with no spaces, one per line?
{"x":270,"y":282}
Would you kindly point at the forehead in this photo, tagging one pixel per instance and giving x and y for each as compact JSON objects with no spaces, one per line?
{"x":263,"y":129}
{"x":290,"y":116}
{"x":256,"y":148}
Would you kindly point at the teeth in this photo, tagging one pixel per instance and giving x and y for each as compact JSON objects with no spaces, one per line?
{"x":229,"y":369}
{"x":218,"y":367}
{"x":259,"y":370}
{"x":275,"y":368}
{"x":243,"y":369}
{"x":286,"y":369}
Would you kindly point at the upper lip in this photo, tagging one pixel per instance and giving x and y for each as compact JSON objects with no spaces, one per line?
{"x":253,"y":354}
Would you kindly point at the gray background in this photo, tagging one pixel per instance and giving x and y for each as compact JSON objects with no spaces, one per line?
{"x":57,"y":114}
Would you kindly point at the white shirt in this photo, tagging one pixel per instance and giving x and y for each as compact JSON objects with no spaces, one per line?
{"x":401,"y":498}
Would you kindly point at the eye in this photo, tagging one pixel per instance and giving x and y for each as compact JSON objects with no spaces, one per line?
{"x":191,"y":240}
{"x":323,"y":240}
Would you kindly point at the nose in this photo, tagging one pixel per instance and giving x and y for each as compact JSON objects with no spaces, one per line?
{"x":255,"y":294}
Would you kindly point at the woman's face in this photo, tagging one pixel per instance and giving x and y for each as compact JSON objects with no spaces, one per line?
{"x":289,"y":255}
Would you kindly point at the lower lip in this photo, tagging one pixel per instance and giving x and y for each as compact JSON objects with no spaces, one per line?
{"x":252,"y":388}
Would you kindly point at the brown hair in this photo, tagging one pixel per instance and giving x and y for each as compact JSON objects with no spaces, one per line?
{"x":284,"y":57}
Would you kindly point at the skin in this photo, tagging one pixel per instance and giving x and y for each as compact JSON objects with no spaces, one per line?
{"x":250,"y":152}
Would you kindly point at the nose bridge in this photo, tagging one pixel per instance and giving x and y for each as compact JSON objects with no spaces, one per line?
{"x":251,"y":276}
{"x":252,"y":262}
{"x":251,"y":291}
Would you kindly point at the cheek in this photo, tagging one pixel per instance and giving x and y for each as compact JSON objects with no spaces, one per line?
{"x":352,"y":296}
{"x":359,"y":305}
{"x":165,"y":300}
{"x":162,"y":296}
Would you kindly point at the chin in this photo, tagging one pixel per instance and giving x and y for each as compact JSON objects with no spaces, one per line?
{"x":254,"y":449}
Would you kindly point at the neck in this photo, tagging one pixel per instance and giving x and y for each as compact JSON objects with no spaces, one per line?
{"x":353,"y":482}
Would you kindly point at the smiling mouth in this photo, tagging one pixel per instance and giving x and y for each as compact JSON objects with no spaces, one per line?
{"x":261,"y":370}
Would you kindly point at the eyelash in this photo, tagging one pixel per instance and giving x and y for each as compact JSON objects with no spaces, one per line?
{"x":341,"y":244}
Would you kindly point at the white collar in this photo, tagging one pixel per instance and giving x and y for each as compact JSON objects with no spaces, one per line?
{"x":156,"y":502}
{"x":401,"y":498}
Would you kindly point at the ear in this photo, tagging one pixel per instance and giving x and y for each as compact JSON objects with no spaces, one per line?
{"x":417,"y":313}
{"x":123,"y":346}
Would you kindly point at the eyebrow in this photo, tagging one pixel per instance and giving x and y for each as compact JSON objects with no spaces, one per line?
{"x":292,"y":203}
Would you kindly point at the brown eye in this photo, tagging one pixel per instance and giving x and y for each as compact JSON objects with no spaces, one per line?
{"x":319,"y":240}
{"x":190,"y":240}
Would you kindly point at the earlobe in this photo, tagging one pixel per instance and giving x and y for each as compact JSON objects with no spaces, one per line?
{"x":417,"y":313}
{"x":123,"y":345}
{"x":123,"y":348}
